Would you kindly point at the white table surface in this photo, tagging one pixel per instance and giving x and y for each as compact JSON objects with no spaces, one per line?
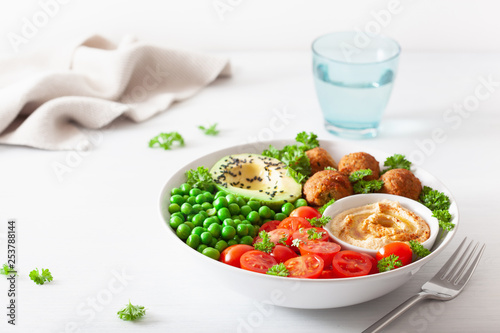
{"x":97,"y":226}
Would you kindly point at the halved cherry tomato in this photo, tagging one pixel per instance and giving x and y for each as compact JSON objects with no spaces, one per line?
{"x":304,"y":236}
{"x":374,"y":262}
{"x":294,"y":223}
{"x":268,"y":226}
{"x":327,"y":274}
{"x":400,"y":249}
{"x":231,"y":255}
{"x":305,"y":212}
{"x":325,"y":250}
{"x":349,"y":263}
{"x":282,"y":253}
{"x":278,"y":236}
{"x":257,"y":261}
{"x":308,"y":266}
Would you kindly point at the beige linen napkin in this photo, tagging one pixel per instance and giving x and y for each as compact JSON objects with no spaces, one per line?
{"x":45,"y":98}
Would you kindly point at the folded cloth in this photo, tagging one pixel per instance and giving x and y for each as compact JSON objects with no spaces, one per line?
{"x":46,"y":98}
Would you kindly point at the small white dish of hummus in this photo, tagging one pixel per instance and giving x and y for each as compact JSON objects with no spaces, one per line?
{"x":367,"y":222}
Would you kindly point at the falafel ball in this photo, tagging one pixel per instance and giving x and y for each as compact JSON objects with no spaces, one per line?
{"x":325,"y":185}
{"x":401,"y":182}
{"x":320,"y":159}
{"x":359,"y":161}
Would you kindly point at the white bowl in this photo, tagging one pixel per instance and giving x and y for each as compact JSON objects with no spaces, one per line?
{"x":359,"y":200}
{"x":294,"y":292}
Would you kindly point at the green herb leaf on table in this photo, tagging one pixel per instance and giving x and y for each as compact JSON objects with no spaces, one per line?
{"x":211,"y":130}
{"x":278,"y":270}
{"x":200,"y":178}
{"x":418,"y":249}
{"x":6,"y":270}
{"x":388,"y":263}
{"x":322,"y":209}
{"x":319,"y":221}
{"x":131,"y":312}
{"x":397,"y":161}
{"x":166,"y":140}
{"x":265,"y":244}
{"x":41,"y":277}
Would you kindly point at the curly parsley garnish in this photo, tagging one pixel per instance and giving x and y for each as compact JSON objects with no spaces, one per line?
{"x":278,"y":270}
{"x":388,"y":263}
{"x":41,"y":277}
{"x":265,"y":244}
{"x":312,"y":234}
{"x":438,"y":203}
{"x":309,"y":141}
{"x":418,"y":249}
{"x":211,"y":130}
{"x":396,"y":161}
{"x":322,"y":209}
{"x":444,"y":219}
{"x":166,"y":140}
{"x":364,"y":186}
{"x":200,"y":178}
{"x":131,"y":312}
{"x":319,"y":221}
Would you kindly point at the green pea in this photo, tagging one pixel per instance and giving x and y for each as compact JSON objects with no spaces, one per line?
{"x":253,"y":217}
{"x":191,"y":200}
{"x":248,"y":240}
{"x":234,"y":209}
{"x":220,"y":202}
{"x":221,"y":245}
{"x":211,"y":212}
{"x":229,"y":222}
{"x":175,"y":191}
{"x":223,"y":213}
{"x":220,"y":194}
{"x":280,"y":216}
{"x":245,"y":210}
{"x":300,"y":202}
{"x":215,"y":229}
{"x":177,"y":199}
{"x":245,"y":221}
{"x":200,"y":198}
{"x":287,"y":208}
{"x":211,"y":253}
{"x":198,"y":220}
{"x":203,"y":213}
{"x":194,"y":192}
{"x":175,"y":222}
{"x":185,"y":188}
{"x":242,"y":229}
{"x":198,"y":231}
{"x":237,"y":221}
{"x":193,"y":241}
{"x":183,"y":231}
{"x":240,"y":201}
{"x":255,"y":205}
{"x":206,"y":238}
{"x":197,"y":208}
{"x":179,"y":214}
{"x":190,"y":217}
{"x":265,"y":212}
{"x":231,"y":242}
{"x":252,"y":231}
{"x":174,"y":208}
{"x":201,"y":247}
{"x":213,"y":242}
{"x":208,"y":196}
{"x":231,"y":198}
{"x":237,"y":238}
{"x":228,"y":232}
{"x":190,"y":225}
{"x":186,"y":208}
{"x":209,"y":221}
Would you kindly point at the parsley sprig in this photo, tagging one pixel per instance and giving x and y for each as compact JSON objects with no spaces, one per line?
{"x":396,"y":161}
{"x":7,"y":270}
{"x":388,"y":263}
{"x":265,"y":244}
{"x":278,"y":270}
{"x":131,"y":312}
{"x":322,"y":209}
{"x":360,"y":185}
{"x":41,"y":277}
{"x":439,"y":203}
{"x":319,"y":221}
{"x":200,"y":178}
{"x":418,"y":249}
{"x":210,"y":130}
{"x":166,"y":140}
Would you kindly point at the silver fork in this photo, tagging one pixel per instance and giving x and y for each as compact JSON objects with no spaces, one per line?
{"x":444,"y":286}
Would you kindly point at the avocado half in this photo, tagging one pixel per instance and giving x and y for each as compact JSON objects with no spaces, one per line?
{"x":257,"y":177}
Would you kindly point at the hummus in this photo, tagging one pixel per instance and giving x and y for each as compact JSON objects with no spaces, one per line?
{"x":373,"y":226}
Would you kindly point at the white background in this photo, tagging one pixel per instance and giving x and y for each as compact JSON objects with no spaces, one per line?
{"x":101,"y":219}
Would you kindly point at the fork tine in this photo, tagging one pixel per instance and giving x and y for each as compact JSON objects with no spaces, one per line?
{"x":442,"y":272}
{"x":466,"y":276}
{"x":457,"y":270}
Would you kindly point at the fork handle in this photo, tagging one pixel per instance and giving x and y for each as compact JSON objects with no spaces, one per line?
{"x":391,"y":316}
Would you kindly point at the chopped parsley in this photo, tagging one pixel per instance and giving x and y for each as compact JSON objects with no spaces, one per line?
{"x":418,"y":249}
{"x":40,"y":277}
{"x":278,"y":270}
{"x":166,"y":140}
{"x":389,"y":263}
{"x":200,"y":178}
{"x":313,"y":234}
{"x":211,"y":130}
{"x":131,"y":312}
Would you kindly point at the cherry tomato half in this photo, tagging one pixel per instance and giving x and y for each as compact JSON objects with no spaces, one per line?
{"x":305,"y":212}
{"x":327,"y":274}
{"x":374,"y":262}
{"x":277,"y":236}
{"x":231,"y":255}
{"x":268,"y":226}
{"x":349,"y":264}
{"x":294,"y":223}
{"x":308,"y":266}
{"x":282,"y":253}
{"x":324,"y":250}
{"x":304,"y":236}
{"x":400,"y":249}
{"x":257,"y":261}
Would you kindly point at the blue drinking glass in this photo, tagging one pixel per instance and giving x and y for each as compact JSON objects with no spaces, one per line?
{"x":353,"y":75}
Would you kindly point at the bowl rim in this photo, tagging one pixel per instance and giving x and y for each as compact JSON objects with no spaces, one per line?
{"x":410,"y":268}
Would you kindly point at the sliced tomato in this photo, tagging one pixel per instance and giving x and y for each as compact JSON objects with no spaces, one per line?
{"x":349,"y":264}
{"x":374,"y":262}
{"x":305,"y":212}
{"x":257,"y":261}
{"x":327,"y":274}
{"x":268,"y":226}
{"x":308,"y":266}
{"x":294,"y":223}
{"x":400,"y":249}
{"x":277,"y":236}
{"x":325,"y":250}
{"x":304,"y":236}
{"x":282,"y":253}
{"x":231,"y":255}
